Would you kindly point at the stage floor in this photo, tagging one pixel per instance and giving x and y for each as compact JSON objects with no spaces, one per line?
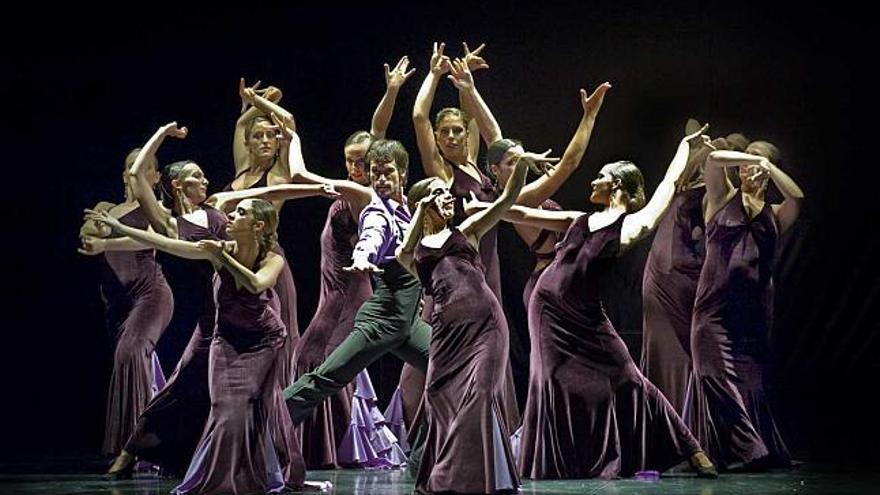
{"x":797,"y":482}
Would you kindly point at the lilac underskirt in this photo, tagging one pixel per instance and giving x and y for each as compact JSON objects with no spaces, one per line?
{"x":369,"y":442}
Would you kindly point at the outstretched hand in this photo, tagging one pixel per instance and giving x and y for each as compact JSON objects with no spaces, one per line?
{"x":540,"y":163}
{"x":472,"y":59}
{"x":394,"y":78}
{"x":363,"y":266}
{"x":461,"y":76}
{"x":593,"y":103}
{"x":473,"y":205}
{"x":439,"y":63}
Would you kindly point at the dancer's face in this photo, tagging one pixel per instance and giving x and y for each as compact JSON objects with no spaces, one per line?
{"x":503,"y":169}
{"x":192,"y":183}
{"x":384,"y":178}
{"x":241,"y":221}
{"x":355,"y":162}
{"x":602,"y":187}
{"x":451,"y":135}
{"x":263,"y":140}
{"x":444,"y":201}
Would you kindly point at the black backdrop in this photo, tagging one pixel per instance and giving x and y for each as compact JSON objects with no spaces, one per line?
{"x":86,"y":85}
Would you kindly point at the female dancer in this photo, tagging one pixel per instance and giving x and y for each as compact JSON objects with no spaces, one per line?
{"x":139,"y":306}
{"x":167,"y":431}
{"x":734,"y":307}
{"x":590,"y":412}
{"x":669,"y":284}
{"x":466,"y":448}
{"x":238,"y":451}
{"x":449,"y":150}
{"x":260,"y":159}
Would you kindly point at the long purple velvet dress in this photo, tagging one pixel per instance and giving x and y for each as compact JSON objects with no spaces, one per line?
{"x":467,"y":448}
{"x":139,"y":306}
{"x":245,"y":446}
{"x":733,"y":313}
{"x":590,"y":412}
{"x":412,"y":383}
{"x":286,"y":289}
{"x":669,"y":286}
{"x":167,"y":432}
{"x":342,"y":294}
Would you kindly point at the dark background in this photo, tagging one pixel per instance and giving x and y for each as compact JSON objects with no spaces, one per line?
{"x":86,"y":85}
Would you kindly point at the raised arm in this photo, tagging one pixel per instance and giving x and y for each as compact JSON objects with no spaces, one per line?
{"x":719,"y":189}
{"x":462,"y":78}
{"x":432,"y":162}
{"x":356,"y":195}
{"x":394,"y":79}
{"x":474,"y":62}
{"x":787,"y":211}
{"x":546,"y":185}
{"x":226,"y":201}
{"x":641,"y":223}
{"x":248,"y":113}
{"x":478,"y":224}
{"x":156,"y":214}
{"x":184,"y":249}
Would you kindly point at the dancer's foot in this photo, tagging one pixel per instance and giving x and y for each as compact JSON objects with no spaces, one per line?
{"x":122,"y":467}
{"x":703,"y":466}
{"x":315,"y":486}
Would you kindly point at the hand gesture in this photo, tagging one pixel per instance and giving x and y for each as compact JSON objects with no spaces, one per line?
{"x":91,"y":246}
{"x":472,"y":59}
{"x":540,"y":163}
{"x":215,"y":248}
{"x":246,"y":97}
{"x":473,"y":205}
{"x":461,"y":76}
{"x":696,"y":137}
{"x":439,"y":62}
{"x":284,"y":125}
{"x":172,"y":130}
{"x":396,"y":77}
{"x":362,"y":266}
{"x":328,"y":191}
{"x":593,"y":103}
{"x":102,"y":218}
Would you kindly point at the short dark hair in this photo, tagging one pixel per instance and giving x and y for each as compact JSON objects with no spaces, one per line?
{"x":388,"y":150}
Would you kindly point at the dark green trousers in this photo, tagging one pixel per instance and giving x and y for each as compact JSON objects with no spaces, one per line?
{"x":387,"y":322}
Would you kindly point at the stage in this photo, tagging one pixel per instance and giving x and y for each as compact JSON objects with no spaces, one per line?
{"x":73,"y":476}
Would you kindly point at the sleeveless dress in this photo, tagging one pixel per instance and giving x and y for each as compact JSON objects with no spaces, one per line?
{"x":590,"y":412}
{"x":669,"y":286}
{"x":168,"y":430}
{"x":466,"y":448}
{"x":245,"y":447}
{"x":286,"y":289}
{"x":138,"y":307}
{"x":733,"y":314}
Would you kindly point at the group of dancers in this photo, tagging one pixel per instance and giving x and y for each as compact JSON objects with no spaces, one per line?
{"x":253,"y":403}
